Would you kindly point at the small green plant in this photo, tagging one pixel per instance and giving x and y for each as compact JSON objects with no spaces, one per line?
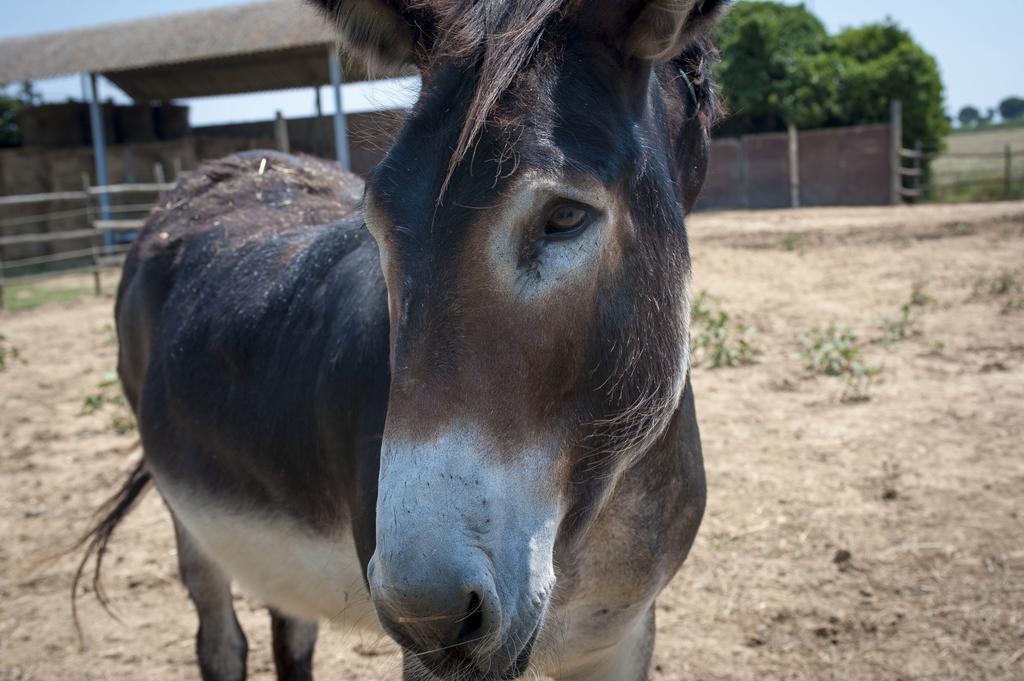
{"x":9,"y":353}
{"x":900,"y":328}
{"x":918,"y":296}
{"x":109,"y":335}
{"x":701,"y":308}
{"x":109,"y":393}
{"x":959,"y":228}
{"x":1003,"y":284}
{"x":835,"y":351}
{"x":716,"y":340}
{"x":122,"y":424}
{"x":93,"y":403}
{"x":96,"y":401}
{"x":1012,"y":304}
{"x":791,"y":241}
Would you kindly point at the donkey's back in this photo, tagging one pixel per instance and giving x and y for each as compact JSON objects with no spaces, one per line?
{"x":258,"y":209}
{"x":269,"y":377}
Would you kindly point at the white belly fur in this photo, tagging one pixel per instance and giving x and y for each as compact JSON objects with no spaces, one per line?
{"x":302,"y":574}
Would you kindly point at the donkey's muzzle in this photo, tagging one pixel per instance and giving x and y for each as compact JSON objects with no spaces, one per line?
{"x":462,"y":572}
{"x":448,"y":614}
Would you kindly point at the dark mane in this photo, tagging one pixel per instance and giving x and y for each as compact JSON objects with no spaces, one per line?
{"x":502,"y":37}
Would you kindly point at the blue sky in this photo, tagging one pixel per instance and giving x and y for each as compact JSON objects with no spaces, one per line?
{"x":977,"y":44}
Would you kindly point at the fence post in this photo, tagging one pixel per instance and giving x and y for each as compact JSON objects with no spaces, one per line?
{"x":281,"y":133}
{"x":794,"y":167}
{"x":744,"y":174}
{"x":97,"y":287}
{"x":918,"y":170}
{"x":896,"y":145}
{"x":1008,"y":172}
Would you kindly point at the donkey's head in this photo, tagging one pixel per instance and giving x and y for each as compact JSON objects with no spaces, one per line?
{"x":530,"y":225}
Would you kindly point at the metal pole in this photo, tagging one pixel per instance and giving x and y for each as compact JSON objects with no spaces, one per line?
{"x":97,"y":285}
{"x":340,"y":131}
{"x":99,"y":151}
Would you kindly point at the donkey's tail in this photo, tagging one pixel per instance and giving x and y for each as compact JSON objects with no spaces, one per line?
{"x":108,"y":517}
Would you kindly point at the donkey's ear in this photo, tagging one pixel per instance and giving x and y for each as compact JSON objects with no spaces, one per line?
{"x":656,"y":30}
{"x":387,"y":34}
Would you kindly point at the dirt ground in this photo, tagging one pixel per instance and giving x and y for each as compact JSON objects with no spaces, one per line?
{"x":877,"y":539}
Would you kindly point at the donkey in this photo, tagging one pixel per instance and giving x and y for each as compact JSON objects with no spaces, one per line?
{"x":455,"y":403}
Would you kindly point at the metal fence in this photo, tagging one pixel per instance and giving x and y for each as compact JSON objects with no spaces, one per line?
{"x":94,"y":229}
{"x":89,"y":230}
{"x":962,"y":176}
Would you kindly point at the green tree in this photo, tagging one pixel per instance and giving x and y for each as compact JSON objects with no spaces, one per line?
{"x":770,"y":68}
{"x":884,"y":63}
{"x":812,"y":89}
{"x":1011,"y":108}
{"x":780,"y":66}
{"x":10,"y":104}
{"x":969,"y":116}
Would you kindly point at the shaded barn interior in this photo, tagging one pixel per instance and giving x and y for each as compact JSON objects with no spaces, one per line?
{"x":271,"y":45}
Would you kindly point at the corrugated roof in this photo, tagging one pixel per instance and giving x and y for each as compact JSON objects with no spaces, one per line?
{"x":260,"y":46}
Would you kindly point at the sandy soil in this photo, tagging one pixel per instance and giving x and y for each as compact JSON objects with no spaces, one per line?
{"x":881,"y":539}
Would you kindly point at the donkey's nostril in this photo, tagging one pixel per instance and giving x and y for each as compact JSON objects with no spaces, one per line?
{"x":473,"y":620}
{"x":447,"y":613}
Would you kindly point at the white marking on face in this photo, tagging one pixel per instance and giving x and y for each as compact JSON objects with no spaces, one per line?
{"x":300,"y":573}
{"x":559,"y":263}
{"x":457,"y":489}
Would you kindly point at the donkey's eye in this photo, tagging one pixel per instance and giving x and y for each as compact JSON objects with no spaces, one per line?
{"x":566,"y":221}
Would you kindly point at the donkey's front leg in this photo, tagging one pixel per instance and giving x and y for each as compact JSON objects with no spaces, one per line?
{"x":220,"y":643}
{"x":294,"y":640}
